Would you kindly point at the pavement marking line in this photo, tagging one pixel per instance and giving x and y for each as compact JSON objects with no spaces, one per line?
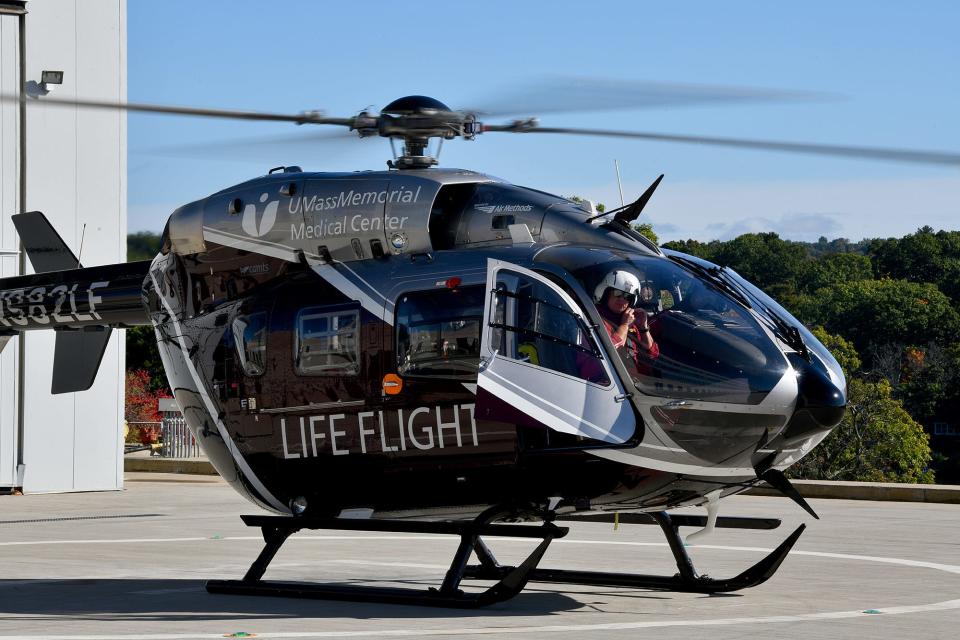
{"x":822,"y":554}
{"x":408,"y":565}
{"x":23,"y":543}
{"x":946,"y":605}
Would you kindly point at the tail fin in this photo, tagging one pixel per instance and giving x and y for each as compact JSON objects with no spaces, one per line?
{"x":78,"y":352}
{"x":45,"y":248}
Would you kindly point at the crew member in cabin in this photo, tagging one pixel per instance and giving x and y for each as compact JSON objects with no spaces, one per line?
{"x":619,"y":296}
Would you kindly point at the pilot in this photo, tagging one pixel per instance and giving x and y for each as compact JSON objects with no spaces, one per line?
{"x":619,"y":297}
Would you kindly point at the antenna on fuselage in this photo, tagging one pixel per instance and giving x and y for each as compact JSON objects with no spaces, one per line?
{"x":616,"y":165}
{"x":83,"y":234}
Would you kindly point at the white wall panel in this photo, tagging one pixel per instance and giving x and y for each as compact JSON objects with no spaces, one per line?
{"x":101,"y":206}
{"x":76,"y":175}
{"x":9,"y":264}
{"x":50,"y":421}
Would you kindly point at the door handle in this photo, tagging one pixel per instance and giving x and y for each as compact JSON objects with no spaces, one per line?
{"x":486,"y":362}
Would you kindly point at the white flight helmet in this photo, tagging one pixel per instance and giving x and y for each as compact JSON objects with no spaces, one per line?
{"x":617,"y":279}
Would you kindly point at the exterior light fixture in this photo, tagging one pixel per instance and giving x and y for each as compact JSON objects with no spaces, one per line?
{"x":48,"y":78}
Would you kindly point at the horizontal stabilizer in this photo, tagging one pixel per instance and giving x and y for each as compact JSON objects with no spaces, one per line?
{"x":45,"y":248}
{"x":76,"y":358}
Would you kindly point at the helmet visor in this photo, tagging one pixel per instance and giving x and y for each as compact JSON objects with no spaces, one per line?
{"x":631,"y":298}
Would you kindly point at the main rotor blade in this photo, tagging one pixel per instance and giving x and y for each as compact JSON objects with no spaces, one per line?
{"x":254,"y":148}
{"x":563,"y":95}
{"x":869,"y":153}
{"x":308,"y":117}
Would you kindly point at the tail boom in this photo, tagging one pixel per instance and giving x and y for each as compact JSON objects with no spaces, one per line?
{"x":106,"y":296}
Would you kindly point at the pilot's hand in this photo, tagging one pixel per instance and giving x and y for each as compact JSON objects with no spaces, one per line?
{"x":642,"y":319}
{"x":627,"y":317}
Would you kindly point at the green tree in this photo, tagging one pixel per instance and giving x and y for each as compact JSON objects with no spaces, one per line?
{"x":924,"y":256}
{"x":835,"y":269}
{"x":843,"y":350}
{"x":141,"y":342}
{"x":823,"y":247}
{"x":143,"y":245}
{"x":929,"y":380}
{"x":646,"y":229}
{"x":877,"y":441}
{"x":692,"y":247}
{"x":884,"y":311}
{"x":142,"y":354}
{"x":773,"y":264}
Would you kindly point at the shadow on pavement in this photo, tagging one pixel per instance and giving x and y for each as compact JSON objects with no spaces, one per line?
{"x":187,"y":600}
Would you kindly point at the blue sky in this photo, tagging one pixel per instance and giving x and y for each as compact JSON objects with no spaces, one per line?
{"x":893,"y":68}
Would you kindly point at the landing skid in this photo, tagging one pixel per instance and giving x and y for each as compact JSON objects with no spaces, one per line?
{"x":686,"y":579}
{"x":509,"y":581}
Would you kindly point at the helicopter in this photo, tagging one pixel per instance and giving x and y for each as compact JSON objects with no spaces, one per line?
{"x":431,"y":350}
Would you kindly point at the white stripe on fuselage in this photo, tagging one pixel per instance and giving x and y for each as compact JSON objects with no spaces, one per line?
{"x":349,"y":288}
{"x":263,"y":247}
{"x":212,"y":410}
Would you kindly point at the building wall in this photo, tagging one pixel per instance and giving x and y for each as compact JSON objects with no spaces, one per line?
{"x":9,"y":243}
{"x":76,"y":174}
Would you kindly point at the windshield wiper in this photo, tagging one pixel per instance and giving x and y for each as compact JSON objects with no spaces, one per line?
{"x":714,"y":276}
{"x":789,"y":333}
{"x":718,"y":277}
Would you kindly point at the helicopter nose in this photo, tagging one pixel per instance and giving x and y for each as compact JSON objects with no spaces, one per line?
{"x":820,"y":402}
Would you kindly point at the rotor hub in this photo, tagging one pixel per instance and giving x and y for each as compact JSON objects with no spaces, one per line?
{"x":415,"y":120}
{"x":415,"y":104}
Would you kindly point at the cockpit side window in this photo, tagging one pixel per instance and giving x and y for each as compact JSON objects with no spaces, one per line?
{"x":533,"y":325}
{"x":438,"y":333}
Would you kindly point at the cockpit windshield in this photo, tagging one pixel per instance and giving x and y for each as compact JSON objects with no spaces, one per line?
{"x":677,"y":334}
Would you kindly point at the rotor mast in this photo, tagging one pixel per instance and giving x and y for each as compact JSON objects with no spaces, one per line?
{"x":415,"y":120}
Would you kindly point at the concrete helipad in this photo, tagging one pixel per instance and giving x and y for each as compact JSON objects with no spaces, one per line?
{"x":132,"y":564}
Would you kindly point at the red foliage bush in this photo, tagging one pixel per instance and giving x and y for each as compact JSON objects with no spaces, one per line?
{"x":141,"y":406}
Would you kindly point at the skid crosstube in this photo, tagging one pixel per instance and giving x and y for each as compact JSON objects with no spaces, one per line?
{"x":686,"y":578}
{"x":510,"y":582}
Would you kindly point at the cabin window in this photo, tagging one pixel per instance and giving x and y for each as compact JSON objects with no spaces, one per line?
{"x":250,"y":339}
{"x":532,"y":324}
{"x":438,"y":333}
{"x":328,"y":342}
